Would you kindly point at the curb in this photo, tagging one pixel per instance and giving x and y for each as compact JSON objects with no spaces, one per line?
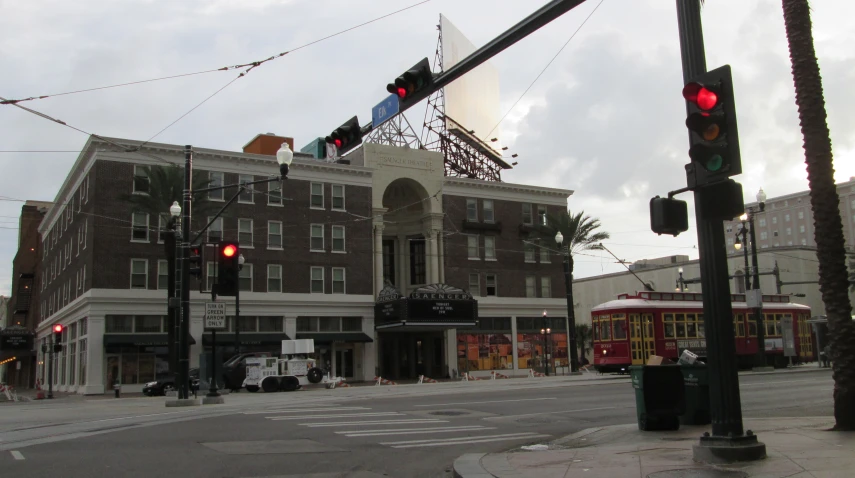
{"x":469,"y":466}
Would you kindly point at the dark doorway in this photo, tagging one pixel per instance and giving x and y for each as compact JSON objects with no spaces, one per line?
{"x":406,"y":355}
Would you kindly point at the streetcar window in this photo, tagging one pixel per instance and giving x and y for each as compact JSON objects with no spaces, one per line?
{"x":752,"y":327}
{"x":669,"y":331}
{"x":655,"y":296}
{"x":619,"y":326}
{"x":669,"y":317}
{"x":605,"y":328}
{"x":595,"y":328}
{"x":667,"y":296}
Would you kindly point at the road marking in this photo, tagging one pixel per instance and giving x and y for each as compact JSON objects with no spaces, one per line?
{"x":375,"y":422}
{"x":782,"y":381}
{"x":463,"y":440}
{"x":419,"y":431}
{"x":344,"y":415}
{"x":17,"y":454}
{"x":492,"y":401}
{"x":550,"y":413}
{"x":296,"y":410}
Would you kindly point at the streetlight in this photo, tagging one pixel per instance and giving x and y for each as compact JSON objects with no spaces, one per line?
{"x":743,"y":231}
{"x":172,"y":245}
{"x":571,"y":316}
{"x":681,"y":283}
{"x":760,"y":358}
{"x":284,"y":157}
{"x":546,"y":331}
{"x":241,"y":260}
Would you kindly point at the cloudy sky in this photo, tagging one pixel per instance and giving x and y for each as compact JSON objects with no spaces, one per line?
{"x":605,"y":120}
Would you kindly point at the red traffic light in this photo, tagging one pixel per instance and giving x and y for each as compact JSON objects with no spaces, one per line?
{"x":57,"y":328}
{"x":230,"y":250}
{"x":337,"y":142}
{"x":705,"y":98}
{"x":402,"y":92}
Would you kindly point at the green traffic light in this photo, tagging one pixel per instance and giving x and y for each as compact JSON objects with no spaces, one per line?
{"x":714,"y":163}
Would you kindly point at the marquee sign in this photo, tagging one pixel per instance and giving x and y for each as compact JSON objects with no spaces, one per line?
{"x":16,"y":338}
{"x":436,"y":305}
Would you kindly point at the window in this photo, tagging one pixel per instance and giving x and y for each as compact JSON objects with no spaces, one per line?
{"x":245,"y":278}
{"x":215,"y":232}
{"x":351,"y":324}
{"x":530,"y":288}
{"x":546,"y":287}
{"x":211,"y":275}
{"x":529,"y":252}
{"x":762,"y":222}
{"x":789,"y":231}
{"x":317,"y":239}
{"x":274,"y":278}
{"x":541,"y":215}
{"x":338,"y":197}
{"x":802,"y":228}
{"x":491,"y":285}
{"x":338,"y":238}
{"x":270,"y":324}
{"x":544,"y":255}
{"x":338,"y":280}
{"x":487,"y":207}
{"x":804,"y":241}
{"x":472,"y":247}
{"x":526,"y":213}
{"x":775,"y":233}
{"x":787,"y":217}
{"x":475,"y":285}
{"x":142,"y":183}
{"x":246,"y":195}
{"x":307,"y":324}
{"x":472,"y":210}
{"x":317,"y":196}
{"x":147,"y":324}
{"x":245,"y":232}
{"x":139,"y":274}
{"x":764,"y":235}
{"x":418,"y":267}
{"x":162,"y":222}
{"x":802,"y":214}
{"x":162,"y":275}
{"x":274,"y":193}
{"x":216,"y":179}
{"x":139,"y":227}
{"x":317,"y":280}
{"x":490,"y":248}
{"x":119,"y":324}
{"x":775,"y":220}
{"x":274,"y":234}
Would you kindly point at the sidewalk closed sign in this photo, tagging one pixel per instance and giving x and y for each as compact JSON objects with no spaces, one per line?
{"x":215,"y":315}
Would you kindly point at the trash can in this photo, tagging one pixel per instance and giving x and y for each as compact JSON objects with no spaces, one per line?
{"x":697,"y":384}
{"x":659,"y":396}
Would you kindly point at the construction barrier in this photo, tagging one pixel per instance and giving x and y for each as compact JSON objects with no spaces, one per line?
{"x":383,"y":381}
{"x":423,"y":379}
{"x":468,"y":377}
{"x":494,"y":375}
{"x":40,"y":394}
{"x":532,"y":374}
{"x":9,"y":392}
{"x":340,"y":383}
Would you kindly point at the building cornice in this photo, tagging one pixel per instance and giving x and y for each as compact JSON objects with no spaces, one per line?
{"x":505,"y":191}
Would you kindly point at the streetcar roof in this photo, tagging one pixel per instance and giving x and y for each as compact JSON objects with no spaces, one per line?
{"x":636,"y":303}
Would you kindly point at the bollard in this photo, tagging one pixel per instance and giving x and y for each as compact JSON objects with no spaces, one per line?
{"x":117,"y":389}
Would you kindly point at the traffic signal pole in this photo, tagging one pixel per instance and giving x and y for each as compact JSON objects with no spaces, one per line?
{"x":184,"y":331}
{"x":728,"y":441}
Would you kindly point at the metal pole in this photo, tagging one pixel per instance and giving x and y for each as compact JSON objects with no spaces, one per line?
{"x":747,"y":276}
{"x":760,"y":356}
{"x":725,"y":405}
{"x":50,"y":369}
{"x":571,"y":315}
{"x":237,"y":315}
{"x":184,"y":332}
{"x":212,"y":390}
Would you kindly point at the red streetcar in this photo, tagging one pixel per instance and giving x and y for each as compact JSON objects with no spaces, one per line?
{"x":627,"y":331}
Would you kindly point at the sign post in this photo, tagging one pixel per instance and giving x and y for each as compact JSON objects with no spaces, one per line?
{"x":215,"y":319}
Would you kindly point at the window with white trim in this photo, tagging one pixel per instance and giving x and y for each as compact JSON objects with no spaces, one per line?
{"x":787,"y":217}
{"x":246,"y":196}
{"x":492,"y":288}
{"x":490,"y":248}
{"x":274,"y":193}
{"x":162,"y":275}
{"x":762,"y":222}
{"x":546,"y":287}
{"x":317,"y":280}
{"x":544,"y":255}
{"x":526,"y":214}
{"x":529,"y":251}
{"x":210,"y":275}
{"x":802,"y":214}
{"x":487,"y":209}
{"x":802,"y":228}
{"x":139,"y":227}
{"x":245,"y":235}
{"x":216,"y":180}
{"x":338,"y":280}
{"x":530,"y":286}
{"x":162,"y":221}
{"x":142,"y":183}
{"x":139,"y":274}
{"x":338,"y":197}
{"x":274,"y":234}
{"x":475,"y":284}
{"x":317,"y":237}
{"x":471,"y":210}
{"x":541,"y":215}
{"x":317,"y":196}
{"x":338,"y":239}
{"x":274,"y":278}
{"x":245,"y":277}
{"x":472,"y":247}
{"x":215,"y":231}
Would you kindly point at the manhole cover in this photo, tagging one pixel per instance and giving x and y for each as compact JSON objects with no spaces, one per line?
{"x":698,"y":473}
{"x":448,"y":413}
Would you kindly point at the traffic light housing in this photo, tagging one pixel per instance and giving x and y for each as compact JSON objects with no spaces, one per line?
{"x":57,"y":337}
{"x":347,"y":136}
{"x":714,"y":141}
{"x":197,"y":260}
{"x":668,"y":216}
{"x":228,"y":267}
{"x":412,"y":86}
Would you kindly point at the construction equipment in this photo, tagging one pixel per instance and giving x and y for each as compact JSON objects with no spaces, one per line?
{"x":290,"y":372}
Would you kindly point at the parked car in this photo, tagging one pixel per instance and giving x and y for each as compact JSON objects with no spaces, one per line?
{"x":166,"y":383}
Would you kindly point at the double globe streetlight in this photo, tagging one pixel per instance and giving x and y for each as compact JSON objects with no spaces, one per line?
{"x":571,"y":316}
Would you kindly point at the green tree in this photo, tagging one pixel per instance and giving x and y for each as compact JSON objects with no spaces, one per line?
{"x":579,"y":233}
{"x":584,"y":339}
{"x":825,"y":202}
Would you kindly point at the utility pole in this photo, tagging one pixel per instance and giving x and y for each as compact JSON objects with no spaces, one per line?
{"x":728,"y":441}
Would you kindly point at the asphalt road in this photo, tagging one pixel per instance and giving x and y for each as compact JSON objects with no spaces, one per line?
{"x":414,"y":431}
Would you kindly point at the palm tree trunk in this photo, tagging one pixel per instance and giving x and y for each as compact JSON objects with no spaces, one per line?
{"x":825,"y":205}
{"x":571,"y":315}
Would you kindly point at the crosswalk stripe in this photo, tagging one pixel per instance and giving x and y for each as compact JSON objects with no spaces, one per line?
{"x":419,"y":431}
{"x":460,"y":438}
{"x":300,"y":410}
{"x":461,"y":442}
{"x":375,"y":422}
{"x":344,"y":415}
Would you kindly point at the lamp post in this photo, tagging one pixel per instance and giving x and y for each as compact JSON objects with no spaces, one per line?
{"x":571,"y":316}
{"x":172,"y":244}
{"x":241,"y":260}
{"x":760,"y":357}
{"x":743,"y":231}
{"x":546,"y":331}
{"x":681,"y":284}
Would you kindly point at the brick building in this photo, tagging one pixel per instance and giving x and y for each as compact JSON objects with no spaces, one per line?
{"x":321,"y":250}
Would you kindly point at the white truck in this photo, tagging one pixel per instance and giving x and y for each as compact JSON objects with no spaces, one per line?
{"x":289,"y":372}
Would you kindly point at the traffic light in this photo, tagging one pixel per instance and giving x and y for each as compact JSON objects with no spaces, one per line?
{"x":57,"y":337}
{"x":714,"y":142}
{"x":413,"y":86}
{"x":668,"y":216}
{"x":197,"y":259}
{"x":346,"y":136}
{"x":227,"y":272}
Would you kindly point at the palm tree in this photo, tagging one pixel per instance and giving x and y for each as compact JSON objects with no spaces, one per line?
{"x":830,"y":249}
{"x":584,"y":340}
{"x":578,"y":231}
{"x":165,"y":185}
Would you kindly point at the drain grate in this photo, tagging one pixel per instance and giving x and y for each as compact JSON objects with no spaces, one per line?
{"x":449,"y":413}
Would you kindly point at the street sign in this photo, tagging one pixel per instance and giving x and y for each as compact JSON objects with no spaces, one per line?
{"x":215,"y":315}
{"x":384,"y":110}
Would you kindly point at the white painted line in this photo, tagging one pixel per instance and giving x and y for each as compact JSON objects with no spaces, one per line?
{"x":484,"y":440}
{"x":17,"y":454}
{"x":376,"y":422}
{"x":415,"y":431}
{"x":300,"y":410}
{"x":492,"y":401}
{"x":550,"y":413}
{"x":375,"y":414}
{"x":459,"y":440}
{"x":782,"y":381}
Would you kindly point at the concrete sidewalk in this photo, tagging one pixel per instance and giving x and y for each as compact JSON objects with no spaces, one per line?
{"x":795,"y":448}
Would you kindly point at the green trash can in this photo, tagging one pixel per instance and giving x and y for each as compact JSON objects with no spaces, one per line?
{"x":697,"y":383}
{"x":659,"y":396}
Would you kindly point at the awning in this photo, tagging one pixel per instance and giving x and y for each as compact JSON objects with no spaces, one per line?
{"x":330,"y":337}
{"x":246,"y":338}
{"x":141,"y":340}
{"x":423,"y":326}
